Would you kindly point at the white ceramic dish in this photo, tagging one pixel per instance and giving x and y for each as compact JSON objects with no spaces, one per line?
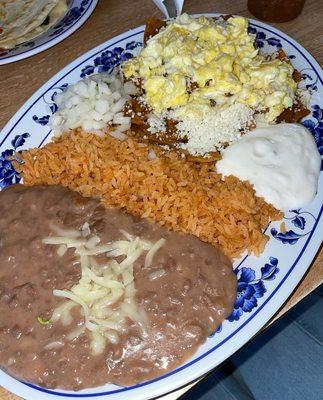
{"x":78,"y":12}
{"x":264,"y":283}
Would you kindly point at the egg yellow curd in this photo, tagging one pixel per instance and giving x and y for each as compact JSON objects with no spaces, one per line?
{"x":194,"y":66}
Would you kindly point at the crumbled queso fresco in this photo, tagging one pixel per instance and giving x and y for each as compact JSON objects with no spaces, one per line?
{"x":207,"y":75}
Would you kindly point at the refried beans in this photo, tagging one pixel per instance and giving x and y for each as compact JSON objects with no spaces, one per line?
{"x":183,"y":305}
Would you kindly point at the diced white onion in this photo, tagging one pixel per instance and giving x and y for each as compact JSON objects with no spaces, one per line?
{"x":117,"y":134}
{"x":130,"y":88}
{"x":92,"y":103}
{"x":86,"y":231}
{"x":151,"y":155}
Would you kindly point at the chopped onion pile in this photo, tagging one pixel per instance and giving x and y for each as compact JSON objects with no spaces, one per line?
{"x":102,"y":285}
{"x":94,"y":104}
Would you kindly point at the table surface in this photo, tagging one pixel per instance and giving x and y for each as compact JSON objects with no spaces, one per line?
{"x":112,"y":17}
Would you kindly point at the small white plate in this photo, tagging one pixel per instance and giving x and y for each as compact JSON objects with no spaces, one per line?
{"x":265,"y":282}
{"x":78,"y":12}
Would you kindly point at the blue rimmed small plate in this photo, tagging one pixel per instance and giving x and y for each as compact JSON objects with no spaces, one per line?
{"x":78,"y":12}
{"x":264,"y":283}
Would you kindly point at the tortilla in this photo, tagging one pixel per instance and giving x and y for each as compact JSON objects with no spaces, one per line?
{"x":50,"y":20}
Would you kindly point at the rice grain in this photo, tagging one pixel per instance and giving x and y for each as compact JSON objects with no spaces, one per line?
{"x":184,"y":196}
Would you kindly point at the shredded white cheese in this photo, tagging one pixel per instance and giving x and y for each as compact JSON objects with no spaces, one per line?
{"x":54,"y":345}
{"x":153,"y":251}
{"x":157,"y":274}
{"x":105,"y":292}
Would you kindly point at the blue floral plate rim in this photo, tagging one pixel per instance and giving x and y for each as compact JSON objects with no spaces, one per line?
{"x":79,"y":11}
{"x":280,"y":280}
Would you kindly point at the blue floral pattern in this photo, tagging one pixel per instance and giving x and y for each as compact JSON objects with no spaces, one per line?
{"x":41,"y":120}
{"x":72,"y":16}
{"x":311,"y":79}
{"x":299,"y":222}
{"x":315,"y":125}
{"x":52,"y":106}
{"x":261,"y":39}
{"x":110,"y":59}
{"x":8,"y":174}
{"x":288,"y":237}
{"x":250,"y":289}
{"x":28,"y":44}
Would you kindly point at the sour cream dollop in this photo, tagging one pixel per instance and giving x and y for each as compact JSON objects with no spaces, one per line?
{"x":281,"y":162}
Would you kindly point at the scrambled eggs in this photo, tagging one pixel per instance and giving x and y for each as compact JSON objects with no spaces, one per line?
{"x":192,"y":65}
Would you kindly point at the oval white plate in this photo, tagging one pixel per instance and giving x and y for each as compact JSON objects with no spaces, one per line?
{"x":264,"y":283}
{"x":78,"y":12}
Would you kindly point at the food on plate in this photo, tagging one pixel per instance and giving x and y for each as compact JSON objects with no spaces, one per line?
{"x":202,"y":84}
{"x":280,"y":161}
{"x":197,"y":86}
{"x":230,"y":89}
{"x":21,"y":21}
{"x":90,"y":295}
{"x":164,"y":187}
{"x":93,"y":104}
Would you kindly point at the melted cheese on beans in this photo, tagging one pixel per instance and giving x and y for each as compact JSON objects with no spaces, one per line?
{"x":101,"y":286}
